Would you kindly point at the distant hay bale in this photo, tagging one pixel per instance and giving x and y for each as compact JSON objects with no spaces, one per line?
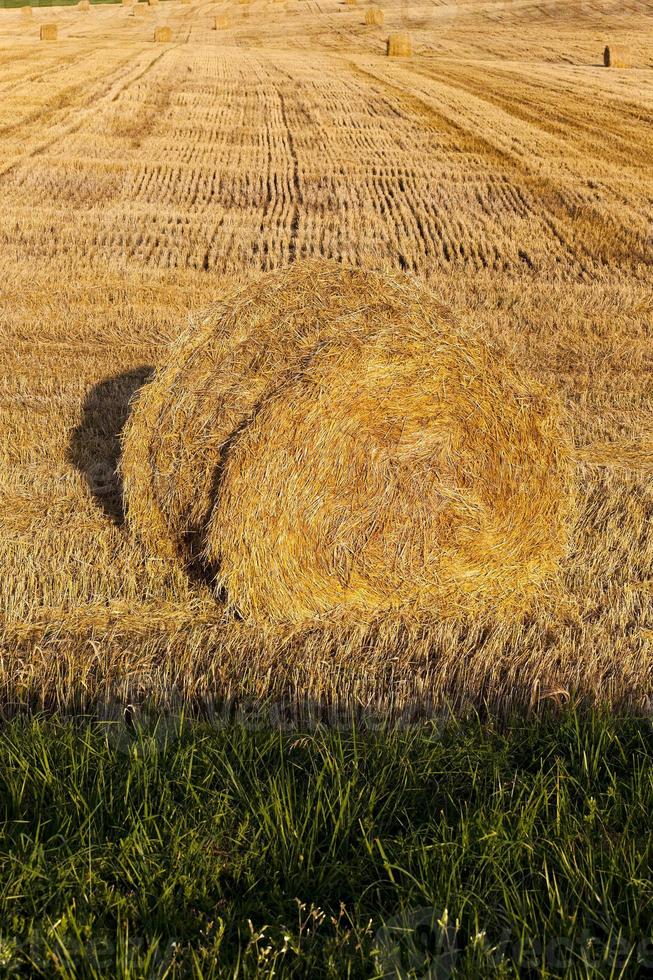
{"x":220,"y":23}
{"x":162,"y":35}
{"x":127,"y":3}
{"x":374,"y":15}
{"x":84,"y":5}
{"x":617,"y":57}
{"x":330,"y":441}
{"x":140,"y":10}
{"x":351,"y":3}
{"x":26,"y":12}
{"x":399,"y":46}
{"x":49,"y":32}
{"x":185,"y":1}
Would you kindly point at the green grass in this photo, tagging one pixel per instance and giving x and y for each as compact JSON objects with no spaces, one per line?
{"x":12,"y":4}
{"x":226,"y":851}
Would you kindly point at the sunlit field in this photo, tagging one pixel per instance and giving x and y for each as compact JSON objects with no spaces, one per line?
{"x":501,"y":163}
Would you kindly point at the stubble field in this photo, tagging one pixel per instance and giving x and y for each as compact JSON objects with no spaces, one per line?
{"x":501,"y":163}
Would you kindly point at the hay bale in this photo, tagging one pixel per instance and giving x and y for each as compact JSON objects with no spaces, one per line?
{"x":221,"y":23}
{"x":330,"y":441}
{"x":26,"y":13}
{"x":399,"y":46}
{"x":162,"y":35}
{"x":84,"y":5}
{"x":49,"y":32}
{"x":374,"y":15}
{"x":140,"y":10}
{"x":351,"y":3}
{"x":616,"y":57}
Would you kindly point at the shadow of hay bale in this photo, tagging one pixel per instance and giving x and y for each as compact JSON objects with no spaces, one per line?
{"x":94,"y":447}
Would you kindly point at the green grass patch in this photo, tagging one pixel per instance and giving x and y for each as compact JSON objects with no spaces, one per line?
{"x":13,"y":4}
{"x":199,"y":850}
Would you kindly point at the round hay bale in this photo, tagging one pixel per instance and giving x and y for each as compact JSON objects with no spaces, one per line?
{"x":374,"y":15}
{"x":616,"y":57}
{"x":26,"y":13}
{"x":49,"y":32}
{"x":163,"y":35}
{"x":84,"y":5}
{"x":331,"y":441}
{"x":399,"y":46}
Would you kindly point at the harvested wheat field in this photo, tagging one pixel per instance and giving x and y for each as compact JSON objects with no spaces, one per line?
{"x":476,"y":327}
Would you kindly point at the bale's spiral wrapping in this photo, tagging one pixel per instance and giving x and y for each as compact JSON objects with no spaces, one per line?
{"x":330,"y":440}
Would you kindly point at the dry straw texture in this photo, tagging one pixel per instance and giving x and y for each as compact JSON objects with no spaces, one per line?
{"x":331,"y":440}
{"x":221,"y":23}
{"x":163,"y":34}
{"x":49,"y":32}
{"x":374,"y":15}
{"x":617,"y":57}
{"x":140,"y":10}
{"x":399,"y":46}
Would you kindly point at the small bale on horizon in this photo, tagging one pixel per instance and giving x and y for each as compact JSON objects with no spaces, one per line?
{"x":49,"y":32}
{"x":162,"y":35}
{"x":399,"y":46}
{"x":26,"y":12}
{"x":84,"y":5}
{"x":374,"y":15}
{"x":616,"y":56}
